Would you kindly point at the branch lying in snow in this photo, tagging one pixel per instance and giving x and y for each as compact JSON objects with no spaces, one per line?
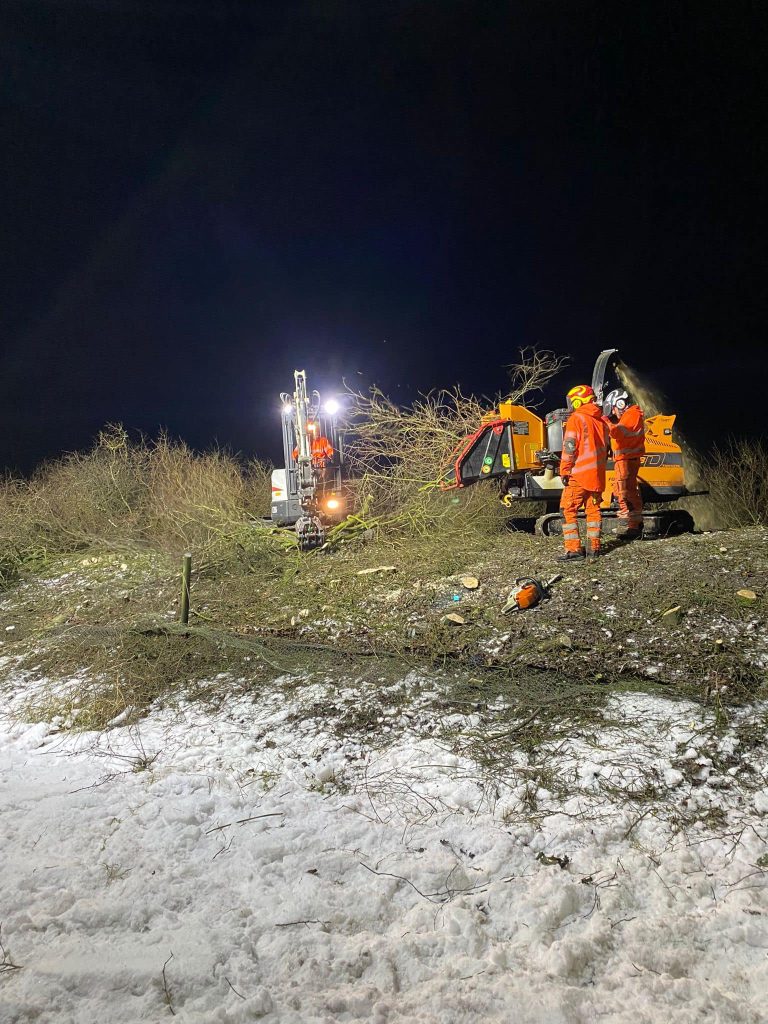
{"x":605,"y":883}
{"x":518,"y":728}
{"x":615,"y":924}
{"x":166,"y":990}
{"x":290,"y":924}
{"x":446,"y":894}
{"x":641,"y":969}
{"x":664,"y":884}
{"x":243,"y":821}
{"x":637,"y":821}
{"x":6,"y":964}
{"x":468,"y":977}
{"x":233,"y":987}
{"x":224,"y":849}
{"x":738,"y":887}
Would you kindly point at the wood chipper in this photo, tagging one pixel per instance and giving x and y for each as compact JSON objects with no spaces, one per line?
{"x":521,"y":451}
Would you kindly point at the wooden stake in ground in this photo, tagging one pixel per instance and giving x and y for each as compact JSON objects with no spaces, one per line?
{"x":186,"y":572}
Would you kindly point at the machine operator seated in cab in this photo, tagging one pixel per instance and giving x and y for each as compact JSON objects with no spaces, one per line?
{"x":321,"y":448}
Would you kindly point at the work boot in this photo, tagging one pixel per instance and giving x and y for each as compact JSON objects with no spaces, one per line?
{"x":594,"y":553}
{"x":570,"y":556}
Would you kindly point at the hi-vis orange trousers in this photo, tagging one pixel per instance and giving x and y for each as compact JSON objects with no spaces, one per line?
{"x":627,"y":492}
{"x":574,"y":498}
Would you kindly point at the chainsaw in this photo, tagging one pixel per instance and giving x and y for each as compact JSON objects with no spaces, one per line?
{"x":528,"y":593}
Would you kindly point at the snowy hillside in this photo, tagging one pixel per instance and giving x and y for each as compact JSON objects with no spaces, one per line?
{"x":249,"y":864}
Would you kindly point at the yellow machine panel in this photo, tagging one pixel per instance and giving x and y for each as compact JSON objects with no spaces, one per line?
{"x":527,"y":434}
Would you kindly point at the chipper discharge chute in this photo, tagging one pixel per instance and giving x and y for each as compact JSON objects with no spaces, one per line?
{"x":308,"y":493}
{"x":522,"y":452}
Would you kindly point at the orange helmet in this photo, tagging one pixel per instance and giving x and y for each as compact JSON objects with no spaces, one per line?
{"x":579,"y":396}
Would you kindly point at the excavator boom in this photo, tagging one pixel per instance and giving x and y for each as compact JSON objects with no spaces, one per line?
{"x":308,"y":493}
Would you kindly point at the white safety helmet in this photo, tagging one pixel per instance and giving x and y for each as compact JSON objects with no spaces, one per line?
{"x":616,"y":399}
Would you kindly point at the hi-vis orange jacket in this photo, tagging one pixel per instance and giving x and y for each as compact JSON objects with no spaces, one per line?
{"x":320,"y":448}
{"x":628,"y":435}
{"x":585,"y":448}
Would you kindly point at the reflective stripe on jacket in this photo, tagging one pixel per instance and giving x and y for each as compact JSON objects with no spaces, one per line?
{"x":628,"y":435}
{"x":585,"y":447}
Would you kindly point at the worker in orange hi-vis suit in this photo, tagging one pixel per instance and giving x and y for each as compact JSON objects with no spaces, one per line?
{"x":582,"y":470}
{"x":321,"y":449}
{"x":627,"y":429}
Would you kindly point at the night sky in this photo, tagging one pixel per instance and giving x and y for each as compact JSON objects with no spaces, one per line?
{"x":198,"y":197}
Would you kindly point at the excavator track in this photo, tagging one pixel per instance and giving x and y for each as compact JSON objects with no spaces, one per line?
{"x":656,"y":524}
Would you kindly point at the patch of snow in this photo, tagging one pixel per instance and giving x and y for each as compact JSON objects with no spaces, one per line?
{"x":249,"y":864}
{"x":672,"y":777}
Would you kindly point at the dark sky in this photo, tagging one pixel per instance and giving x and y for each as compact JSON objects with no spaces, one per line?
{"x":199,"y":196}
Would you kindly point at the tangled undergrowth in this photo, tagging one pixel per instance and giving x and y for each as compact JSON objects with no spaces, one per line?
{"x":159,"y":495}
{"x":736,"y":474}
{"x":398,"y":455}
{"x":138,"y":495}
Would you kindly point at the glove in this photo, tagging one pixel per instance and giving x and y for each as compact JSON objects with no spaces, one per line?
{"x":565,"y":480}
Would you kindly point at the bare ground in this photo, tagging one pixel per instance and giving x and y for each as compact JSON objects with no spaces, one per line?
{"x":365,"y":653}
{"x":603,"y":624}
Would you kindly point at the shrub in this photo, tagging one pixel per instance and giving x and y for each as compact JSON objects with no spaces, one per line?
{"x":399,"y":455}
{"x":161,"y":495}
{"x":158,"y":494}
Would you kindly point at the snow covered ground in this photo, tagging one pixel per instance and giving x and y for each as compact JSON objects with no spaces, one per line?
{"x":240,"y":865}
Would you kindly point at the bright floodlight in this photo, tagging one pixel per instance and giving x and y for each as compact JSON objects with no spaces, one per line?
{"x":332,"y":503}
{"x":332,"y":406}
{"x":287,"y":409}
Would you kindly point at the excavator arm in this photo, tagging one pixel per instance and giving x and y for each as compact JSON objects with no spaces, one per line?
{"x":308,"y":493}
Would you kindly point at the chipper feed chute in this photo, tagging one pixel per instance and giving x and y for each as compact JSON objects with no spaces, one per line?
{"x":508,"y":441}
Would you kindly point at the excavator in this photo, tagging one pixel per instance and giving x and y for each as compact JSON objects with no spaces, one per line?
{"x":521,"y":451}
{"x":307,"y":493}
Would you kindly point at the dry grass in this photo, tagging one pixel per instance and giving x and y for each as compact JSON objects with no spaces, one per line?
{"x":737,"y":477}
{"x":156,"y":494}
{"x":144,"y":503}
{"x":123,"y":668}
{"x":107,"y":625}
